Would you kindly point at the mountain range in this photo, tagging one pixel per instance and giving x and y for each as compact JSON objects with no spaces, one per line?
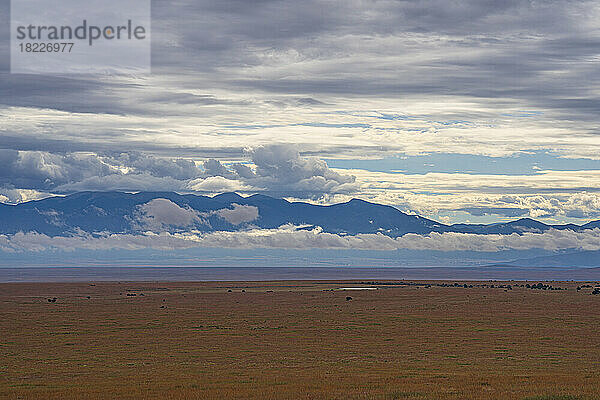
{"x":119,"y":212}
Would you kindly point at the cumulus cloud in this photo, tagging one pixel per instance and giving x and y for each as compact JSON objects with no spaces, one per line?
{"x":238,"y":214}
{"x":276,"y":169}
{"x":177,"y":168}
{"x":281,"y":170}
{"x":218,"y":184}
{"x":552,"y":240}
{"x":123,"y":182}
{"x":550,"y":195}
{"x":160,"y":213}
{"x":43,"y":170}
{"x":292,"y":237}
{"x":40,"y":170}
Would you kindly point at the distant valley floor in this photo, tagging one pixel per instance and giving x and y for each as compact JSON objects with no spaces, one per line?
{"x":256,"y":273}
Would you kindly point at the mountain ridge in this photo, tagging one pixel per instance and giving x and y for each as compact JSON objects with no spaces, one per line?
{"x":122,"y":212}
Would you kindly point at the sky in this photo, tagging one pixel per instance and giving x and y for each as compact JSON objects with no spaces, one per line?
{"x":460,"y":111}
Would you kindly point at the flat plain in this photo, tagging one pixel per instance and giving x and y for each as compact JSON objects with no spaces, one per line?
{"x":299,"y":340}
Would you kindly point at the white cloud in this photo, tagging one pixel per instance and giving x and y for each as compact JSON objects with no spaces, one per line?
{"x":125,"y":182}
{"x":292,"y":237}
{"x":218,"y":184}
{"x":238,"y":214}
{"x":552,"y":240}
{"x":280,"y":169}
{"x":160,"y":213}
{"x":16,"y":196}
{"x":552,"y":195}
{"x":40,"y":170}
{"x":276,"y":169}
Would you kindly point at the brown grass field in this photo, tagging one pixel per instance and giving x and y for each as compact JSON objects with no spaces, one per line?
{"x":297,"y":340}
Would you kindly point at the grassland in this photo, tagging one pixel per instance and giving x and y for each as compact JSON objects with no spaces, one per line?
{"x":297,"y":340}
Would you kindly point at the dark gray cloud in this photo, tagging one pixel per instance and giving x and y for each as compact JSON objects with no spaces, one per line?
{"x":484,"y":49}
{"x":74,"y":171}
{"x":62,"y":93}
{"x":39,"y":170}
{"x":4,"y":37}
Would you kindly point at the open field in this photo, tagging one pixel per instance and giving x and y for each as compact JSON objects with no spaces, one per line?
{"x":298,"y":340}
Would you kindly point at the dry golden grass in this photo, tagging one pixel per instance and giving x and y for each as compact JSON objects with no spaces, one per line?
{"x":296,"y":342}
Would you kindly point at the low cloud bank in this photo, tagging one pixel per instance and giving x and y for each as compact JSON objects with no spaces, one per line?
{"x":294,"y":237}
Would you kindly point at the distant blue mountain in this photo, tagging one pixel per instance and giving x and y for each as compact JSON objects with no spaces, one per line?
{"x":519,"y":226}
{"x":118,"y":212}
{"x":574,"y":259}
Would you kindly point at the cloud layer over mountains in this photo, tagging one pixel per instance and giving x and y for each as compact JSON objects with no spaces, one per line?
{"x":103,"y":221}
{"x":281,"y":170}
